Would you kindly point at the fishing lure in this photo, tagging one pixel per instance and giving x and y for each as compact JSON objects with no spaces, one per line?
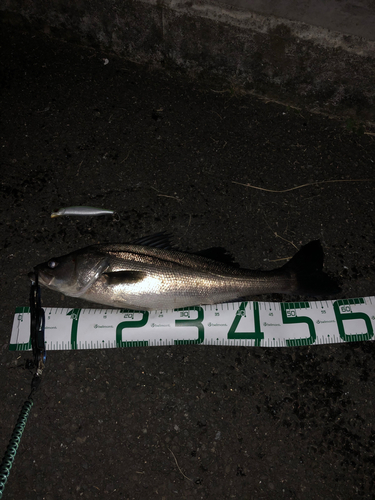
{"x":86,"y":211}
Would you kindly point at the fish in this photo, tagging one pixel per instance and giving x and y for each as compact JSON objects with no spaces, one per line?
{"x":87,"y":211}
{"x":149,"y":274}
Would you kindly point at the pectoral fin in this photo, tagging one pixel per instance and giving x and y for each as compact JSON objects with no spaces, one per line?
{"x":124,"y":277}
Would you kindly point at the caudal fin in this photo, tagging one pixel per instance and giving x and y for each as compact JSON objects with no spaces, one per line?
{"x":307,"y":267}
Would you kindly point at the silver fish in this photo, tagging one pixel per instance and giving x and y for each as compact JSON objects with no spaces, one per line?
{"x":148,"y":274}
{"x":88,"y":211}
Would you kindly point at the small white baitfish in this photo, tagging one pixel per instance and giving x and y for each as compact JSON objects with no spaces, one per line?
{"x":149,"y":275}
{"x":88,"y":211}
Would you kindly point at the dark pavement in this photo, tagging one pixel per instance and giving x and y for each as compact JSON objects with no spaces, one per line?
{"x":164,"y":151}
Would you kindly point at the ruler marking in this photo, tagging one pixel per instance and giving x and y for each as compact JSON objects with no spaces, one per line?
{"x":277,"y":322}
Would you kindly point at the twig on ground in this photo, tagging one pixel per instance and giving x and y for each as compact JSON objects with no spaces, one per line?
{"x":302,"y":185}
{"x":166,"y":195}
{"x":179,"y":468}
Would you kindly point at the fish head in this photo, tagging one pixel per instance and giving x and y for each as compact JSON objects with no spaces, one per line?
{"x":71,"y":274}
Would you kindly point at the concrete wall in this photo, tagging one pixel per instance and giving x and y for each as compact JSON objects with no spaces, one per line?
{"x":344,"y":16}
{"x":319,"y":53}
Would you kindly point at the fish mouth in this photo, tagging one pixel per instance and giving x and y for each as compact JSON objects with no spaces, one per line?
{"x":43,"y":277}
{"x":32,"y":276}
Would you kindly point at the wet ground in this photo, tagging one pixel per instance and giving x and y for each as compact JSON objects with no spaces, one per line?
{"x":167,"y":153}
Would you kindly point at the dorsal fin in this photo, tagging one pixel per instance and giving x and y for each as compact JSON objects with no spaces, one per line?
{"x":162,"y":240}
{"x":157,"y":240}
{"x":219,"y":254}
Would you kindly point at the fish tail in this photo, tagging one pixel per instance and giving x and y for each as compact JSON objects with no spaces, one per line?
{"x":307,"y":268}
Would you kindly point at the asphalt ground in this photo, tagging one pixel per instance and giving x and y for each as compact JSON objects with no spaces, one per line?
{"x":166,"y":152}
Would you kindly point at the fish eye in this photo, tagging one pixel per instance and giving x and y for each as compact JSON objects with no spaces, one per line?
{"x":52,"y":264}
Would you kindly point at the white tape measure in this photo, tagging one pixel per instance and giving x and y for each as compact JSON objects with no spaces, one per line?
{"x":265,"y":324}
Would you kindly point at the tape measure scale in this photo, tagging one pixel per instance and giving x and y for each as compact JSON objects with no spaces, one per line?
{"x":263,"y":324}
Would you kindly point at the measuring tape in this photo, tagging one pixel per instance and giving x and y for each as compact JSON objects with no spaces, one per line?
{"x":264,"y":324}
